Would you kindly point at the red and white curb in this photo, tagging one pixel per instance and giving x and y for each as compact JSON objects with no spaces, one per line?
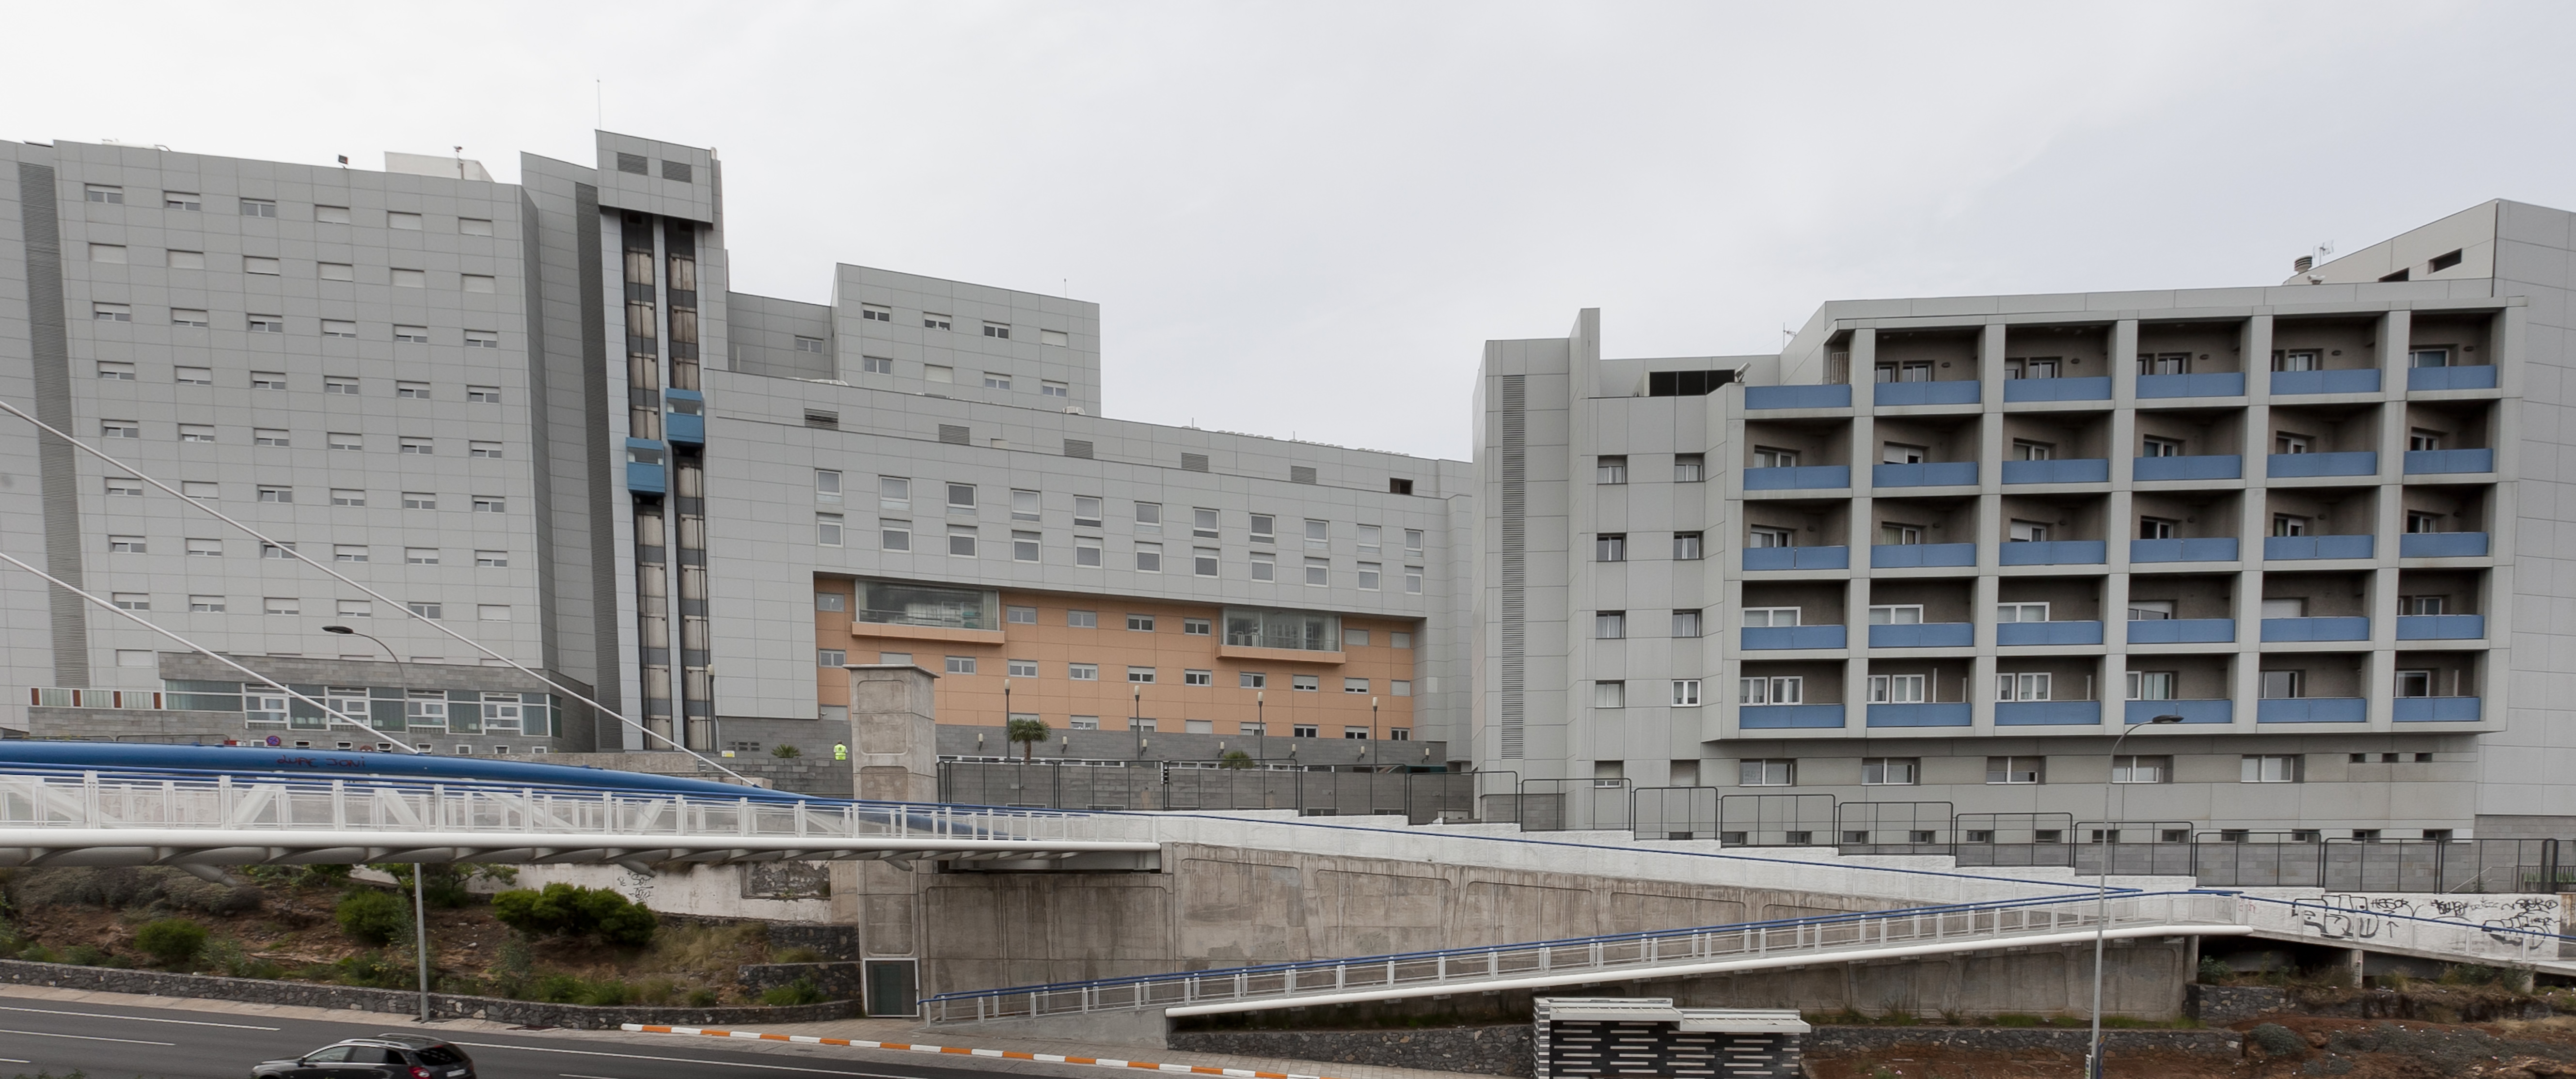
{"x":908,"y":1047}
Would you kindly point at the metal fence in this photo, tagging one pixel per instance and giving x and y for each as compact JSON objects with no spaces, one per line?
{"x":1420,"y":797}
{"x":2397,"y":865}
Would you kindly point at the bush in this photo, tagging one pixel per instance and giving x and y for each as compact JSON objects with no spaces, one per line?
{"x":785,"y":752}
{"x":173,"y":941}
{"x":224,"y":956}
{"x":86,"y":955}
{"x":702,"y":998}
{"x":1235,"y":758}
{"x":569,"y":989}
{"x":2277,"y":1040}
{"x":2215,"y":971}
{"x":796,"y":955}
{"x":572,"y":911}
{"x":800,"y":991}
{"x":374,"y":971}
{"x":373,"y":918}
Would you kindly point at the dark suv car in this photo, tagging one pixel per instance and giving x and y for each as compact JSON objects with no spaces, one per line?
{"x":385,"y":1056}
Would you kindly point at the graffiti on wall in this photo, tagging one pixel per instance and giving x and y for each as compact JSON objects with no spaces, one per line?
{"x":2513,"y":921}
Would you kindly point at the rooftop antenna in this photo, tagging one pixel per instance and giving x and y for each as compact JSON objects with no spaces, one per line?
{"x":2307,"y":263}
{"x":460,"y":162}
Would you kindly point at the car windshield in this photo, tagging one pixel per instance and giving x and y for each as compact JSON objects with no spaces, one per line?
{"x":441,"y":1054}
{"x":329,"y":1054}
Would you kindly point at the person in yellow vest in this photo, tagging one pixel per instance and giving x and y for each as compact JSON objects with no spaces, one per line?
{"x":840,"y":751}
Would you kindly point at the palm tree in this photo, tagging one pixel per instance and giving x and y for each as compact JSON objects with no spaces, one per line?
{"x":1028,"y":733}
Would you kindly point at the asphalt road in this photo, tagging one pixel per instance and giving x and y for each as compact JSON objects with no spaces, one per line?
{"x":109,"y":1041}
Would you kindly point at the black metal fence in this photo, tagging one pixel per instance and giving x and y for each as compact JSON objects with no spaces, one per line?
{"x":1421,"y":797}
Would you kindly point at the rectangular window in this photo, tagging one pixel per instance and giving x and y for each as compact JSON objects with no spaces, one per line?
{"x":111,"y":312}
{"x":482,"y":338}
{"x":2022,"y":686}
{"x":1251,"y":679}
{"x":132,"y":601}
{"x":1413,"y":580}
{"x":876,"y":365}
{"x":1305,"y":682}
{"x":1319,"y":534}
{"x":1265,"y":566}
{"x":336,"y":271}
{"x":2428,"y":357}
{"x":1021,"y":668}
{"x":994,"y":380}
{"x":2151,"y":685}
{"x":997,"y":329}
{"x":1355,"y":685}
{"x":1203,"y":561}
{"x":1083,"y":723}
{"x":406,"y":222}
{"x":182,"y":200}
{"x":258,"y":208}
{"x":271,"y":550}
{"x":417,"y":335}
{"x":124,"y":487}
{"x":419,"y":500}
{"x":1086,"y":551}
{"x":2012,"y":770}
{"x":961,"y":496}
{"x":1610,"y":470}
{"x":281,"y":605}
{"x":1149,"y":516}
{"x":114,"y":196}
{"x":126,"y":545}
{"x":1149,"y":558}
{"x":474,"y":226}
{"x":894,"y":493}
{"x":188,"y":316}
{"x":1685,"y":692}
{"x":492,"y":559}
{"x":961,"y":664}
{"x":490,"y":504}
{"x":1910,"y":614}
{"x":1686,"y":624}
{"x":2161,"y":447}
{"x":410,"y":278}
{"x":119,"y":429}
{"x":1687,"y":546}
{"x":1766,"y":773}
{"x":1082,"y":619}
{"x":1319,"y":571}
{"x":961,"y":541}
{"x":261,"y":266}
{"x":108,"y":253}
{"x":2128,"y":768}
{"x":1763,"y":537}
{"x":2021,"y":612}
{"x":1198,"y":678}
{"x":482,"y":449}
{"x":933,"y":372}
{"x":1610,"y":547}
{"x":1086,"y":511}
{"x":1610,"y":625}
{"x":420,"y":556}
{"x":2270,"y":768}
{"x":198,"y":432}
{"x":831,"y":657}
{"x":1690,"y":467}
{"x":206,"y":604}
{"x":1265,"y":528}
{"x":1024,"y":546}
{"x":827,"y":529}
{"x":492,"y":612}
{"x":1890,"y":771}
{"x":1082,"y":672}
{"x":1896,"y":688}
{"x":332,"y":327}
{"x":1789,"y":689}
{"x":1140,"y":675}
{"x":1369,"y":573}
{"x":2284,"y":685}
{"x":1024,"y":505}
{"x":428,"y":610}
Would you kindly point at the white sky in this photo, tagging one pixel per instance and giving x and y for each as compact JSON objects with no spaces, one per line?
{"x":1306,"y":218}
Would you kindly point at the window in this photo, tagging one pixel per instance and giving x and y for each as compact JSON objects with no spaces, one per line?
{"x":961,"y":496}
{"x":1020,"y":616}
{"x":1082,"y":619}
{"x":197,"y":432}
{"x":1610,"y":625}
{"x":280,"y":605}
{"x":870,"y":312}
{"x":1319,"y":534}
{"x":121,"y":487}
{"x":332,"y":327}
{"x":1610,"y":470}
{"x":483,"y":449}
{"x":934,"y":322}
{"x":1149,"y":558}
{"x":2423,"y":605}
{"x":961,"y":540}
{"x":407,"y":222}
{"x":2151,"y":685}
{"x":1765,"y":536}
{"x":2156,"y":527}
{"x":2026,"y":450}
{"x":419,"y":500}
{"x":1766,"y":773}
{"x":410,"y":278}
{"x":418,"y":335}
{"x":827,"y":529}
{"x":336,"y":271}
{"x":1203,"y":562}
{"x":2419,"y":523}
{"x":2270,"y":768}
{"x":831,"y":657}
{"x":2012,"y":770}
{"x":1789,"y":689}
{"x":1086,"y":551}
{"x":1251,"y":679}
{"x":206,"y":604}
{"x":492,"y":559}
{"x":1686,"y":624}
{"x":1265,"y":566}
{"x":492,"y":612}
{"x":994,"y":380}
{"x":1140,"y":623}
{"x":2022,"y":686}
{"x":490,"y":504}
{"x":187,"y":316}
{"x":1890,"y":771}
{"x":1024,"y":546}
{"x":119,"y":429}
{"x":2161,"y":447}
{"x":1369,"y":573}
{"x":1413,"y":580}
{"x":894,"y":535}
{"x":1893,"y":534}
{"x":2416,"y":683}
{"x":2028,"y":532}
{"x":2128,"y":768}
{"x":420,"y":556}
{"x":111,"y":312}
{"x":428,"y":610}
{"x":1021,"y":668}
{"x":1896,"y":688}
{"x":185,"y":260}
{"x":261,"y":266}
{"x":109,"y":253}
{"x":276,"y":494}
{"x":2021,"y":612}
{"x":1770,"y":616}
{"x":961,"y":664}
{"x":181,"y":200}
{"x":1910,"y":614}
{"x":105,"y":193}
{"x":1609,"y":694}
{"x":474,"y":226}
{"x":1685,"y":692}
{"x":1000,"y":330}
{"x":1054,"y":389}
{"x":271,"y":550}
{"x":1690,"y":467}
{"x":1140,"y":675}
{"x":132,"y":601}
{"x":482,"y":339}
{"x":1198,"y":678}
{"x":1082,"y":672}
{"x":2428,"y":357}
{"x":1306,"y":682}
{"x":1086,"y":511}
{"x":1687,"y":546}
{"x":1319,"y":571}
{"x":1610,"y":547}
{"x":1149,"y":516}
{"x":1024,"y":505}
{"x":1774,"y":457}
{"x":1083,"y":723}
{"x":2284,"y":685}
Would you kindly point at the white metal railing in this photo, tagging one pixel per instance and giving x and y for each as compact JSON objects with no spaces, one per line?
{"x":1591,"y":958}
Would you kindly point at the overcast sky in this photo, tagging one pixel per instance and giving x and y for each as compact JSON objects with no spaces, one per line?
{"x":1306,"y":218}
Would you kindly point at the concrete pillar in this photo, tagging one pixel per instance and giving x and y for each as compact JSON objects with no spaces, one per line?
{"x":893,"y":733}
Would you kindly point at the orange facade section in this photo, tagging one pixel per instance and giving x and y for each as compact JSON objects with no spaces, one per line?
{"x":1050,"y":653}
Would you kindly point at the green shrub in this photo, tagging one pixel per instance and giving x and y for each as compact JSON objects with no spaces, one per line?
{"x":573,"y":911}
{"x":374,"y":971}
{"x":702,"y":998}
{"x":785,"y":752}
{"x":796,"y":955}
{"x":655,"y":991}
{"x":2215,"y":971}
{"x":85,"y":955}
{"x":172,"y":941}
{"x":372,"y":917}
{"x":557,"y":989}
{"x":2277,"y":1040}
{"x":606,"y":993}
{"x":800,"y":991}
{"x":224,"y":956}
{"x":513,"y":971}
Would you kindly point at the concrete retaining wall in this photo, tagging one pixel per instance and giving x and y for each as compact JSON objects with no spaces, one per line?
{"x":2223,"y":1044}
{"x":840,"y":981}
{"x":398,"y":1002}
{"x":1489,"y":1050}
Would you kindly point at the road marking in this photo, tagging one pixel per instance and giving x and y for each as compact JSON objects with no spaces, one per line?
{"x":138,"y":1018}
{"x":569,"y":1075}
{"x":674,"y":1060}
{"x":84,"y":1037}
{"x":907,"y":1047}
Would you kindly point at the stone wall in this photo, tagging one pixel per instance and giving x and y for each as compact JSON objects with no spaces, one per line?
{"x":1488,"y":1050}
{"x":841,"y":980}
{"x":2226,"y":1044}
{"x":399,"y":1002}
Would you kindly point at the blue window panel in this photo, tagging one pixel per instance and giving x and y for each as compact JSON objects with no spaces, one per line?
{"x":2365,"y":380}
{"x":2297,"y":465}
{"x":2213,"y":384}
{"x":2311,"y":710}
{"x":1919,"y":715}
{"x":2182,"y":630}
{"x":1797,"y":558}
{"x":1925,"y":635}
{"x":2450,"y":460}
{"x":2451,"y":378}
{"x":2072,"y":470}
{"x":2212,"y":466}
{"x":1960,"y":392}
{"x":2438,"y":709}
{"x":1916,"y":555}
{"x":2052,"y":553}
{"x":2097,"y":388}
{"x":1773,"y":717}
{"x":641,"y":477}
{"x":2292,"y":548}
{"x":2025,"y":633}
{"x":1930,"y":474}
{"x":2442,"y":545}
{"x":2441,"y":627}
{"x":1833,"y":396}
{"x":685,"y":428}
{"x":2287,"y":630}
{"x":2204,"y":549}
{"x":2048,"y":713}
{"x":2190,"y":711}
{"x":1761,"y":638}
{"x":1809,"y":478}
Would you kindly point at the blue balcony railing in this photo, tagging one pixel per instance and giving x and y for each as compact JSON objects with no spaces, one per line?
{"x":2058,"y":389}
{"x":1797,"y":558}
{"x":1928,"y":474}
{"x":1826,"y":396}
{"x":1959,"y":392}
{"x":1919,"y":555}
{"x":2311,"y":710}
{"x":2423,"y":461}
{"x":644,"y":463}
{"x":2207,"y":466}
{"x":2302,"y":465}
{"x":1919,"y":715}
{"x":2213,"y":384}
{"x":2190,"y":711}
{"x":2203,"y":549}
{"x":2181,"y":630}
{"x":2451,"y":378}
{"x":2052,"y":553}
{"x":2291,"y":630}
{"x":2292,"y":548}
{"x":2442,"y":545}
{"x":2362,"y":380}
{"x":1766,"y":638}
{"x":2441,"y":627}
{"x":2437,"y":709}
{"x":1804,"y":478}
{"x":2029,"y":633}
{"x":1924,"y":635}
{"x":2048,"y":713}
{"x":2071,"y":470}
{"x":1775,"y":717}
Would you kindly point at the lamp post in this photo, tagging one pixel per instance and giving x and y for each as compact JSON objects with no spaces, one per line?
{"x":2102,"y":901}
{"x":419,"y":870}
{"x":1375,"y":759}
{"x":1136,"y":721}
{"x":1261,"y":742}
{"x":400,"y":673}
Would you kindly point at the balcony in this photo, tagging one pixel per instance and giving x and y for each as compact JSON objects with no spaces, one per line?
{"x":2048,"y":713}
{"x":2441,"y":627}
{"x":2212,"y":466}
{"x":2182,"y":631}
{"x":686,"y":423}
{"x":2206,"y":549}
{"x":2052,"y":553}
{"x":1924,"y":635}
{"x":2451,"y":378}
{"x":2438,"y":709}
{"x":1919,"y":715}
{"x":2419,"y":462}
{"x":1960,"y":392}
{"x":2311,"y":710}
{"x":1828,"y":396}
{"x":2097,"y":388}
{"x":2295,"y":630}
{"x":2073,"y":470}
{"x":1921,"y":555}
{"x":644,"y":475}
{"x":1933,"y":474}
{"x":1782,"y":717}
{"x":2294,"y":548}
{"x":2030,"y":633}
{"x":2284,"y":466}
{"x":1807,"y":478}
{"x":1761,"y":558}
{"x":2442,"y":545}
{"x":2214,"y":384}
{"x":2190,"y":711}
{"x":2365,"y":380}
{"x":1768,"y":638}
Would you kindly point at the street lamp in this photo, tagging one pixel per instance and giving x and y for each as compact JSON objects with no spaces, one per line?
{"x":419,"y":870}
{"x":1375,"y":759}
{"x":1261,"y":741}
{"x":2102,"y":900}
{"x":1136,"y":722}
